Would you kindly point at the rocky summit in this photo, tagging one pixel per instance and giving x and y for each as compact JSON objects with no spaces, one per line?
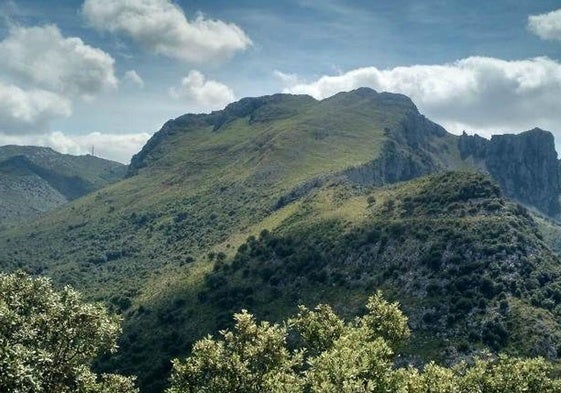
{"x":525,"y":165}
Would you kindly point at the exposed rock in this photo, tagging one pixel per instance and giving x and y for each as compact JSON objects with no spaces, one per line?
{"x":472,"y":145}
{"x":393,"y":165}
{"x":408,"y":154}
{"x":525,"y":165}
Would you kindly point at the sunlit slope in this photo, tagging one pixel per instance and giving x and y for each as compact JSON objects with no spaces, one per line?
{"x":471,"y":269}
{"x":206,"y":179}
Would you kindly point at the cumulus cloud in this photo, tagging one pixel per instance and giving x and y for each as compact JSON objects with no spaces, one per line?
{"x":133,"y":78}
{"x":29,"y":110}
{"x":546,"y":26}
{"x":42,"y":72}
{"x":117,"y":147}
{"x":162,"y":27}
{"x":477,"y":93}
{"x":202,"y":94}
{"x":42,"y":57}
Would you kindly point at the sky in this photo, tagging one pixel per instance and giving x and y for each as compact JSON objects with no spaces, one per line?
{"x":108,"y":73}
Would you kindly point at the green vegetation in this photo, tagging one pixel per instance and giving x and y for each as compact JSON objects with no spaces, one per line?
{"x":461,"y":259}
{"x":316,"y":351}
{"x":285,"y":200}
{"x":48,"y":339}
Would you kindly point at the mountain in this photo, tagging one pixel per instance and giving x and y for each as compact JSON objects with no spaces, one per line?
{"x":282,"y":200}
{"x":34,"y":180}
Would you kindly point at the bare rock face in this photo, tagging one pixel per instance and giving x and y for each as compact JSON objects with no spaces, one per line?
{"x":525,"y":166}
{"x":412,"y":150}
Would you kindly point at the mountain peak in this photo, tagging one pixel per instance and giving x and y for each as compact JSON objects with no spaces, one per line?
{"x":371,"y":96}
{"x":316,"y":116}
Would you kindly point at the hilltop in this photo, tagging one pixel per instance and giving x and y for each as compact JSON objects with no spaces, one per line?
{"x":34,"y":180}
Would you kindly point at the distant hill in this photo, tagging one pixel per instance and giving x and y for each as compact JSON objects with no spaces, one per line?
{"x":34,"y":180}
{"x":281,"y":200}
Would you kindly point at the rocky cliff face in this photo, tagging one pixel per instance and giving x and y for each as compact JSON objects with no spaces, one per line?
{"x":412,"y":150}
{"x":525,"y":166}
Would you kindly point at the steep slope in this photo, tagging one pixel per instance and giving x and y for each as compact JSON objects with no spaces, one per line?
{"x":525,"y":165}
{"x":34,"y":180}
{"x":156,"y":245}
{"x":470,"y":269}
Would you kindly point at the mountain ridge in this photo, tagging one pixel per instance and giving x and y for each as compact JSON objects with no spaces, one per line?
{"x":414,"y":132}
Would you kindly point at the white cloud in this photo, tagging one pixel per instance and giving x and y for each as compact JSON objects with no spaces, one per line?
{"x":202,"y":94}
{"x":287,"y":79}
{"x":476,"y":93}
{"x":29,"y":110}
{"x":42,"y":72}
{"x":43,"y":58}
{"x":162,"y":27}
{"x":546,"y":26}
{"x":133,"y":78}
{"x":117,"y":147}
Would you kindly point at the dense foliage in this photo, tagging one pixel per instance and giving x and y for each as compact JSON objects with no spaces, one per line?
{"x":468,"y":266}
{"x":48,"y":338}
{"x":316,"y":351}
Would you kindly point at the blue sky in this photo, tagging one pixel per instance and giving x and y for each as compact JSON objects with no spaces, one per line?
{"x":482,"y":66}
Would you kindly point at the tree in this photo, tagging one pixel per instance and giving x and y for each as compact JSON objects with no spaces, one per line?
{"x":318,"y":352}
{"x":253,"y":358}
{"x":48,"y":339}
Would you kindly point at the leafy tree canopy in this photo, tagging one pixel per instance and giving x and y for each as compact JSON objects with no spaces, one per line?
{"x":48,"y":339}
{"x":318,"y":352}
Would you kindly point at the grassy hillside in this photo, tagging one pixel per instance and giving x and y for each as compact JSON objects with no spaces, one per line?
{"x":34,"y":180}
{"x":280,"y":200}
{"x":204,"y":183}
{"x":470,"y":269}
{"x":465,"y":263}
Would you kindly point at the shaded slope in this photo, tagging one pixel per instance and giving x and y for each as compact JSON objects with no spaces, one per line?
{"x":470,"y":268}
{"x":34,"y":180}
